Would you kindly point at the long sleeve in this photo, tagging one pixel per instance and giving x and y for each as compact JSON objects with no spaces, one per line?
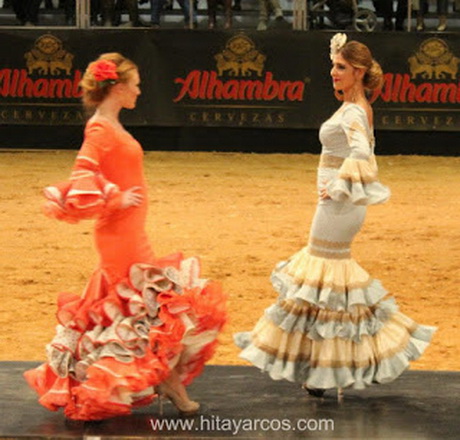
{"x":87,"y":194}
{"x":357,"y":179}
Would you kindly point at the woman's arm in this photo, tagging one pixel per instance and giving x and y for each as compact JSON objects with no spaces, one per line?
{"x":357,"y":180}
{"x":88,"y":194}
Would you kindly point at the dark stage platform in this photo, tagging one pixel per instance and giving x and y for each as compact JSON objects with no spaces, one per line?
{"x":243,"y":403}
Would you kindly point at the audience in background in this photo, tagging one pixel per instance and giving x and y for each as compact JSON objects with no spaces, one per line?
{"x":69,"y":7}
{"x":26,"y":11}
{"x":158,"y":6}
{"x":393,"y":12}
{"x":112,"y":11}
{"x":385,"y":9}
{"x":421,"y":8}
{"x":212,"y":13}
{"x":69,"y":10}
{"x":266,"y":8}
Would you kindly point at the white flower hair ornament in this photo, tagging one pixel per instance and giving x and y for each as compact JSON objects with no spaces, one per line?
{"x":337,"y":42}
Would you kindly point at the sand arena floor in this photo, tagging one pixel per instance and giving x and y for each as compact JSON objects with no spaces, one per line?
{"x":241,"y":213}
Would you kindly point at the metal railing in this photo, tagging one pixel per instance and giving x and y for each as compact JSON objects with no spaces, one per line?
{"x":303,"y":14}
{"x":83,"y":14}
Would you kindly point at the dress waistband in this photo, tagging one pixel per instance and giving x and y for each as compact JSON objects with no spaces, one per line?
{"x":328,"y":161}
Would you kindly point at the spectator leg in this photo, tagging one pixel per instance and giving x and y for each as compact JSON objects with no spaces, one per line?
{"x":18,"y":8}
{"x":69,"y":8}
{"x":133,"y":12}
{"x":156,"y":9}
{"x":228,"y":14}
{"x":95,"y":11}
{"x":185,"y":6}
{"x":33,"y":8}
{"x":264,"y":14}
{"x":107,"y":9}
{"x":442,"y":6}
{"x":212,"y":6}
{"x":276,"y":8}
{"x":401,"y":15}
{"x":420,"y":8}
{"x":385,"y":8}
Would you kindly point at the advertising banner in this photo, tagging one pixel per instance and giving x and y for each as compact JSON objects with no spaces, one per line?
{"x":277,"y":79}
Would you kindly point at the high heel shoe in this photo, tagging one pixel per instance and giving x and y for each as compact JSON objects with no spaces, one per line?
{"x":185,"y":406}
{"x":316,"y":392}
{"x":339,"y":395}
{"x":319,"y":392}
{"x":160,"y":402}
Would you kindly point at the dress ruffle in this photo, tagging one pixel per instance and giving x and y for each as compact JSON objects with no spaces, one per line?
{"x":357,"y":182}
{"x":335,"y":284}
{"x":115,"y":343}
{"x":332,"y":326}
{"x":86,"y":195}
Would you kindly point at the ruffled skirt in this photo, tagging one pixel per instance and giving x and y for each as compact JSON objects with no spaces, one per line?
{"x":332,"y":325}
{"x":116,"y":342}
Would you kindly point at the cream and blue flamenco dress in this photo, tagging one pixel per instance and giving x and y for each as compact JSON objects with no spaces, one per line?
{"x":333,"y":325}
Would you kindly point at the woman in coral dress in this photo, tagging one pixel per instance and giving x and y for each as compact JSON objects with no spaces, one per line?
{"x":334,"y":326}
{"x":144,"y":325}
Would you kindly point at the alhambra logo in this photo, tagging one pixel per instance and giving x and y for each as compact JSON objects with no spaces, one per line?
{"x":434,"y":60}
{"x":240,"y":75}
{"x":240,"y":58}
{"x":432,"y":79}
{"x":48,"y":57}
{"x":48,"y":73}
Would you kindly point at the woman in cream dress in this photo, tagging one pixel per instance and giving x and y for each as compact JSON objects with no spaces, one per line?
{"x":333,"y":325}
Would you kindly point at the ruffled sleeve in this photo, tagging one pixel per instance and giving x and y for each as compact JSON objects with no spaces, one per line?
{"x":87,"y":194}
{"x":357,"y":179}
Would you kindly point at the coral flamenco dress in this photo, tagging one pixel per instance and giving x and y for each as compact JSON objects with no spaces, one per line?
{"x":333,"y":325}
{"x":139,"y":316}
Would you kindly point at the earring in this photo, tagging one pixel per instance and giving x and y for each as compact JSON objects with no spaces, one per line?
{"x":354,"y":92}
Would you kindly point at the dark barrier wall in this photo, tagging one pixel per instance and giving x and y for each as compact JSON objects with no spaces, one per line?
{"x":253,"y":83}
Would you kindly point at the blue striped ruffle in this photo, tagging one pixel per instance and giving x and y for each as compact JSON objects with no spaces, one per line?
{"x":385,"y":371}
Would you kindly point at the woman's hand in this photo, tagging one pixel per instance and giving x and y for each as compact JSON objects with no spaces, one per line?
{"x":323,"y":195}
{"x":131,"y":197}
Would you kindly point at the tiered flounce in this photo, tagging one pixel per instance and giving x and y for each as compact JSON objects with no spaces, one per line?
{"x":357,"y":182}
{"x":86,"y":195}
{"x":332,"y":326}
{"x":116,"y":342}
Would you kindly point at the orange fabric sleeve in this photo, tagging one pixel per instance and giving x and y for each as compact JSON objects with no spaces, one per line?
{"x":88,"y":194}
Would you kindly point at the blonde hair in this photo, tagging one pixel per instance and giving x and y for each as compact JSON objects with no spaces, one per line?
{"x":93,"y":93}
{"x":360,"y":57}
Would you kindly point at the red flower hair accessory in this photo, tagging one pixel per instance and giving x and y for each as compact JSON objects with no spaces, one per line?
{"x":104,"y":72}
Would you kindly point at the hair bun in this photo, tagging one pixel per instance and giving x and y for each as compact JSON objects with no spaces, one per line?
{"x":102,"y":74}
{"x":373,"y":79}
